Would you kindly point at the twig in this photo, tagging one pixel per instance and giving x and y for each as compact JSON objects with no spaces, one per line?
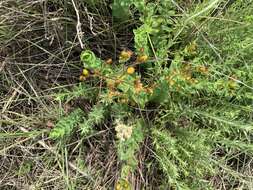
{"x":78,"y":26}
{"x":90,"y":18}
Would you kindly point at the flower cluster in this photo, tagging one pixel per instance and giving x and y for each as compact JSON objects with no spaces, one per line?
{"x":123,"y":132}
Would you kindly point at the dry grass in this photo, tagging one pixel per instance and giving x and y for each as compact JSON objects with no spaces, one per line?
{"x":39,"y":55}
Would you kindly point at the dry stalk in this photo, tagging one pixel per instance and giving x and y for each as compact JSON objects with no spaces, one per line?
{"x":78,"y":26}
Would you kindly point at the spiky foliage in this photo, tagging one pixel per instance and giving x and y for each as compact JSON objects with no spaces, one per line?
{"x":184,"y":156}
{"x":95,"y":117}
{"x":66,"y":125}
{"x":203,"y":94}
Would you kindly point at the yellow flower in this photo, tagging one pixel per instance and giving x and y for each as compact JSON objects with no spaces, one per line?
{"x":109,"y":61}
{"x":138,"y":85}
{"x":85,"y":73}
{"x":82,"y":78}
{"x":188,"y":78}
{"x":130,"y":70}
{"x":149,"y":90}
{"x":118,"y":81}
{"x":125,"y":55}
{"x":202,"y":69}
{"x":125,"y":185}
{"x":112,"y":93}
{"x":142,"y":59}
{"x":118,"y":187}
{"x":122,"y":185}
{"x":110,"y":84}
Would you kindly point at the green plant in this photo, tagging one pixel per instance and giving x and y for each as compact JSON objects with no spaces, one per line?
{"x":129,"y":139}
{"x":66,"y":125}
{"x":199,"y":92}
{"x":121,"y":9}
{"x":184,"y":156}
{"x":95,"y":117}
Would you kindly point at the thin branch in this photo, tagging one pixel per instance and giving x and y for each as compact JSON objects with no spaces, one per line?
{"x":78,"y":26}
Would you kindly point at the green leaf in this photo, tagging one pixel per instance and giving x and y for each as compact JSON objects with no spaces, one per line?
{"x":90,"y":60}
